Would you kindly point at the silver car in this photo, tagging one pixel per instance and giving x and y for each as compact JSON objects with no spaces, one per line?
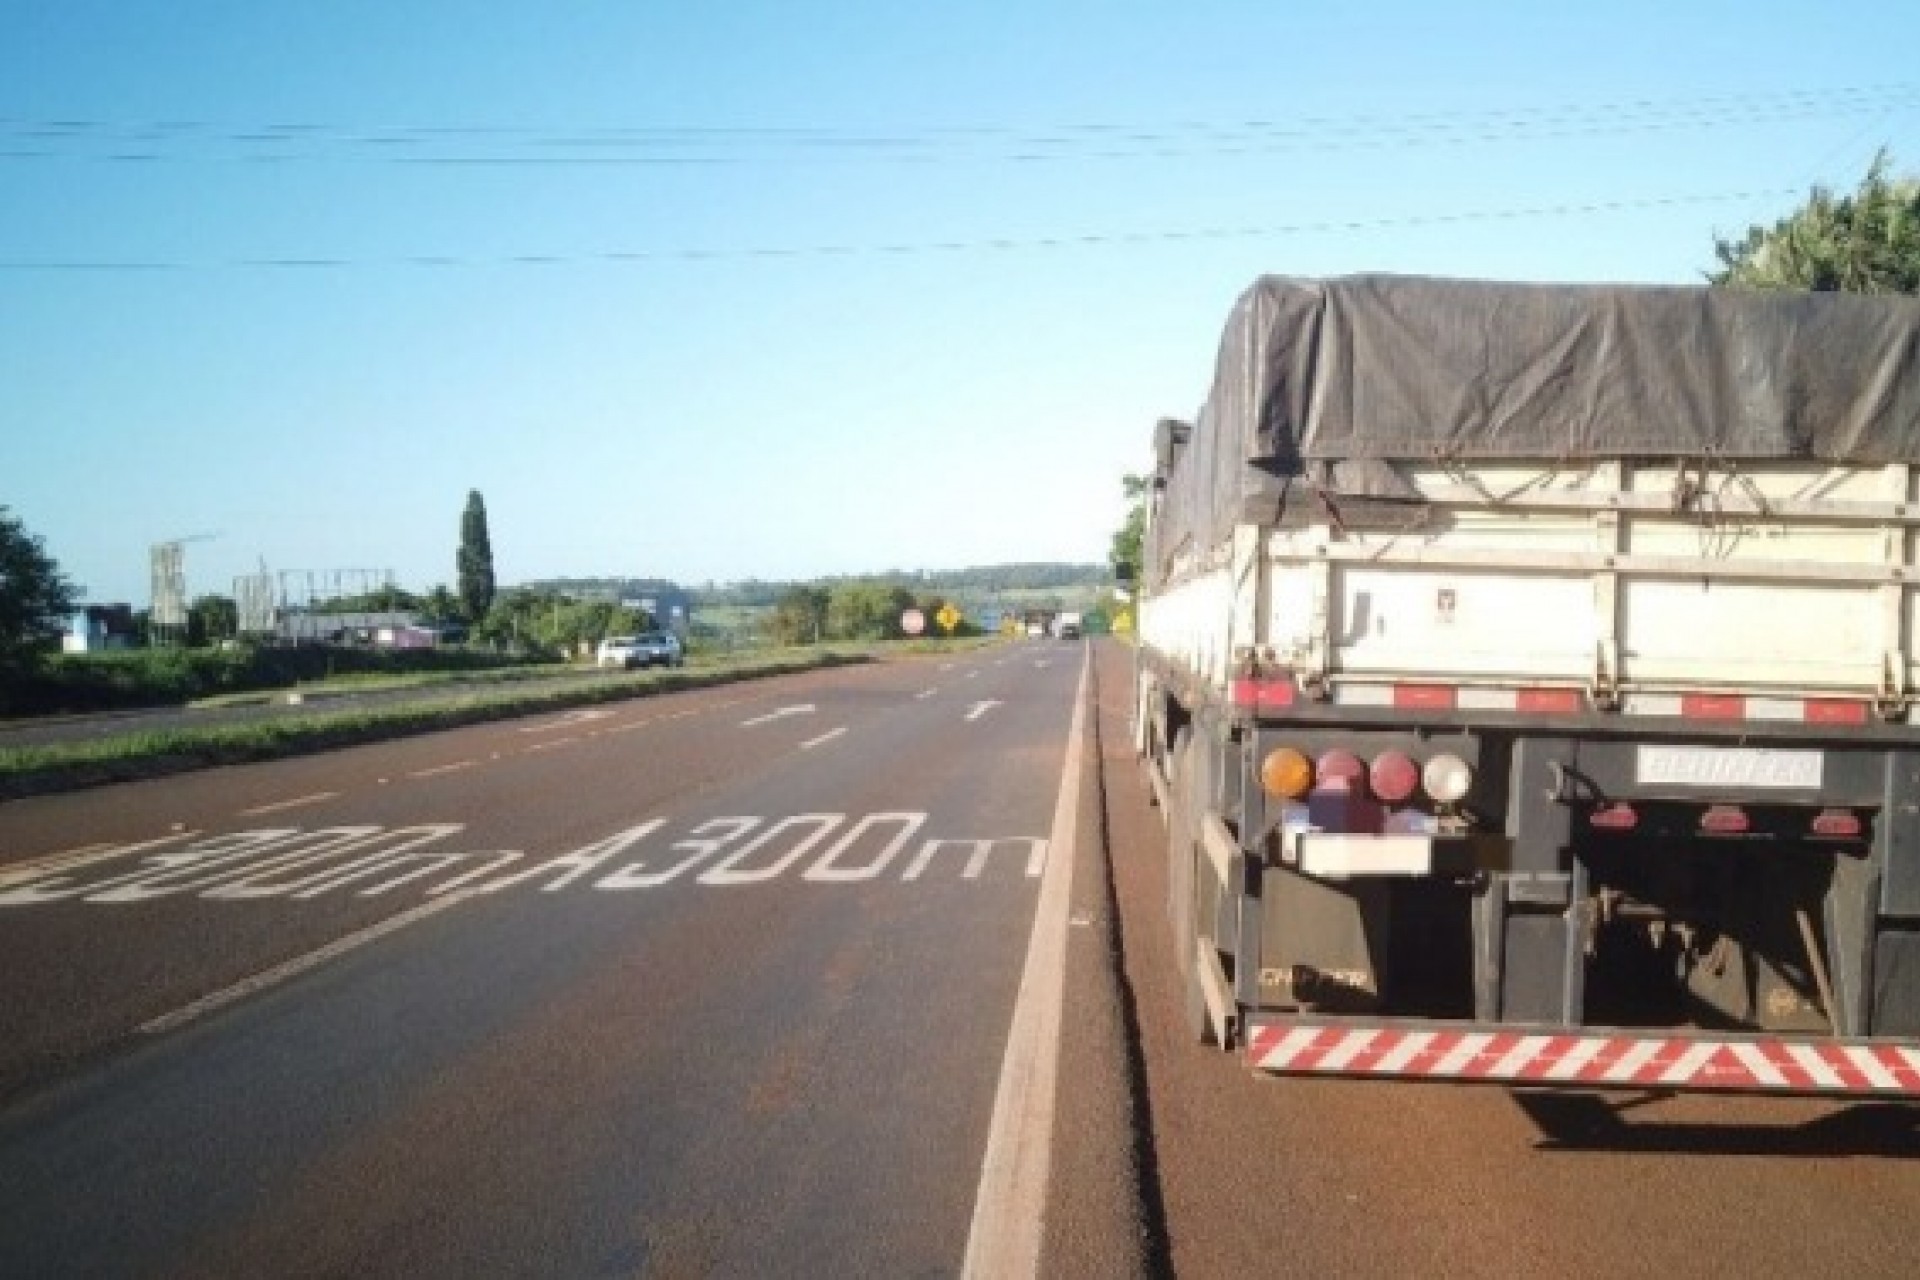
{"x":649,"y":649}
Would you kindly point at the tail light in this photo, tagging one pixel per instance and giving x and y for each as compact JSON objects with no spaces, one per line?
{"x":1340,"y":764}
{"x":1614,"y":817}
{"x":1393,"y":776}
{"x":1838,"y":824}
{"x":1725,"y":820}
{"x":1286,"y":773}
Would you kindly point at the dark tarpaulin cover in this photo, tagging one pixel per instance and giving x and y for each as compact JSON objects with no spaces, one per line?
{"x":1331,"y":381}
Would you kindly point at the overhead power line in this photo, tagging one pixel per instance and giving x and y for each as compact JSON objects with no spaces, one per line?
{"x":126,"y":141}
{"x":913,"y":248}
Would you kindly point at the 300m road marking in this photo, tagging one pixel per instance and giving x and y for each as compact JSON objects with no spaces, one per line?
{"x":747,"y":849}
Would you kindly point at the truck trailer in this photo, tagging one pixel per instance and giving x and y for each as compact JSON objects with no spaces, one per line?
{"x":1526,"y":676}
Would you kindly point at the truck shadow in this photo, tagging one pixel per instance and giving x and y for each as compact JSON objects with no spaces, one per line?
{"x":1602,"y":1122}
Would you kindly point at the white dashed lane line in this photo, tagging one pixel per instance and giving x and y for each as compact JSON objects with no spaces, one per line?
{"x":317,"y":797}
{"x":438,"y":769}
{"x":549,"y":746}
{"x":828,"y":736}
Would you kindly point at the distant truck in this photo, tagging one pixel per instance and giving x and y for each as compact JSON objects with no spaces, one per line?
{"x":1067,"y":626}
{"x":1527,"y":679}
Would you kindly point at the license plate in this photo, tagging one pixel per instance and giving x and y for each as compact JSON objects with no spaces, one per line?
{"x":1729,"y":767}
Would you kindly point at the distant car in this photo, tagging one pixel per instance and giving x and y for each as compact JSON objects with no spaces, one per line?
{"x":649,"y":649}
{"x":1035,"y":629}
{"x":1067,"y":626}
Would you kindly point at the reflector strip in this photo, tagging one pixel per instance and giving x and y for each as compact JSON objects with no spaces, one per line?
{"x":1562,"y":702}
{"x":1565,"y":702}
{"x":1264,"y":692}
{"x":1673,"y":1062}
{"x":1423,"y":697}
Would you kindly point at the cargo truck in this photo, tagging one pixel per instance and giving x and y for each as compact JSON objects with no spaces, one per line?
{"x":1526,"y":676}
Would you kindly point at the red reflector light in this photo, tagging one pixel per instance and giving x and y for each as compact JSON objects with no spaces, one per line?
{"x":1615,"y":817}
{"x":1250,"y":693}
{"x":1834,"y":711}
{"x":1394,"y":776}
{"x":1725,"y":820}
{"x":1564,"y":702}
{"x":1837,"y":822}
{"x":1276,"y":693}
{"x":1424,"y":697}
{"x":1712,"y":706}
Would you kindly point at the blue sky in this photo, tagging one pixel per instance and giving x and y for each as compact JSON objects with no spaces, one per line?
{"x":819,"y":287}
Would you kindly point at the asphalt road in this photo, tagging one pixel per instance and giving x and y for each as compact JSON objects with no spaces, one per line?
{"x":586,"y":1044}
{"x":709,"y":983}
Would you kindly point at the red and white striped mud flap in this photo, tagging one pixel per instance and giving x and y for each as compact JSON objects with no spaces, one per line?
{"x":1610,"y":1059}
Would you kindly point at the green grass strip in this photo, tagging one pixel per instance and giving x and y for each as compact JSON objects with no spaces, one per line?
{"x":70,"y":766}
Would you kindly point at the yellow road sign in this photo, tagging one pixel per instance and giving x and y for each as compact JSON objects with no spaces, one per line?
{"x":948,"y":618}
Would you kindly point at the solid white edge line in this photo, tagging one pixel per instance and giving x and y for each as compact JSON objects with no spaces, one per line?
{"x":1009,"y":1207}
{"x":298,"y":965}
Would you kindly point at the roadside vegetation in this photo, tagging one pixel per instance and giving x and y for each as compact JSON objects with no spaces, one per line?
{"x":494,"y":695}
{"x":118,"y":680}
{"x":66,"y":766}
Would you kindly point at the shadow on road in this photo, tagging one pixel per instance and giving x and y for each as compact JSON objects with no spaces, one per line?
{"x":1594,"y":1122}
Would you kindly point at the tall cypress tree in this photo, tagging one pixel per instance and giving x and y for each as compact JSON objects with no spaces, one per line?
{"x":473,"y":566}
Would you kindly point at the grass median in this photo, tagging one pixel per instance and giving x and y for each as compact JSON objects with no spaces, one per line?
{"x":40,"y":770}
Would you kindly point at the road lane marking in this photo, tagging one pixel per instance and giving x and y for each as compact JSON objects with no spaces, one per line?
{"x":1004,"y":1238}
{"x":74,"y":859}
{"x":804,"y":709}
{"x":316,"y":798}
{"x":973,"y":675}
{"x":570,"y":719}
{"x":298,"y":965}
{"x":981,"y":708}
{"x":828,"y":736}
{"x":924,"y":694}
{"x":557,"y":742}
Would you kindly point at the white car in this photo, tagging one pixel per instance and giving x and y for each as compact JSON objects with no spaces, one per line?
{"x":651,"y":648}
